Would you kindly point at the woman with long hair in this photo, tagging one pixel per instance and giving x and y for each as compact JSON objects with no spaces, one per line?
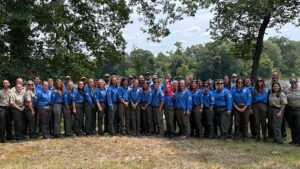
{"x":146,"y":110}
{"x":57,"y":107}
{"x":30,"y":113}
{"x":169,"y":111}
{"x":183,"y":105}
{"x":89,"y":107}
{"x":123,"y":108}
{"x":112,"y":98}
{"x":101,"y":102}
{"x":277,"y":102}
{"x":67,"y":109}
{"x":260,"y":107}
{"x":135,"y":109}
{"x":78,"y":109}
{"x":197,"y":110}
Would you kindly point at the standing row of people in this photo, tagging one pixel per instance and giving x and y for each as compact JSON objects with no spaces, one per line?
{"x":135,"y":106}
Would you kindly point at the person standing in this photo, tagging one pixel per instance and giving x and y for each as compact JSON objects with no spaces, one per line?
{"x":147,"y":115}
{"x":277,"y":102}
{"x":89,"y":107}
{"x":57,"y":105}
{"x":135,"y":109}
{"x":67,"y":109}
{"x":112,"y":99}
{"x":208,"y":108}
{"x":5,"y":129}
{"x":293,"y":110}
{"x":123,"y":108}
{"x":77,"y":98}
{"x":169,"y":111}
{"x":223,"y":107}
{"x":43,"y":102}
{"x":101,"y":102}
{"x":183,"y":105}
{"x":242,"y":102}
{"x":37,"y":84}
{"x":30,"y":113}
{"x":260,"y":107}
{"x":249,"y":84}
{"x":197,"y":110}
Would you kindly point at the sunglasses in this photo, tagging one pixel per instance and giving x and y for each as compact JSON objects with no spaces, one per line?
{"x":30,"y":84}
{"x":260,"y":81}
{"x":293,"y":82}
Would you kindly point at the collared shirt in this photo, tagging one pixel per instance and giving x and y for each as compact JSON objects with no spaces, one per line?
{"x":145,"y":95}
{"x":196,"y":97}
{"x":43,"y":97}
{"x":29,"y":96}
{"x":223,"y":98}
{"x":4,"y":97}
{"x":184,"y":100}
{"x":38,"y":87}
{"x":156,"y":97}
{"x":123,"y":93}
{"x":56,"y":97}
{"x":242,"y":96}
{"x":17,"y":99}
{"x":293,"y":96}
{"x":262,"y":96}
{"x":89,"y":96}
{"x":284,"y":85}
{"x":77,"y":97}
{"x":100,"y":95}
{"x":135,"y":95}
{"x":169,"y":100}
{"x":14,"y":89}
{"x":277,"y":101}
{"x":208,"y":98}
{"x":112,"y":95}
{"x":67,"y":97}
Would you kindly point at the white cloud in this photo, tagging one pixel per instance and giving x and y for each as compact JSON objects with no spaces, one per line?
{"x":205,"y":34}
{"x":193,"y":29}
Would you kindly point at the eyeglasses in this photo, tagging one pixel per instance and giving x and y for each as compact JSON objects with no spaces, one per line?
{"x":239,"y":82}
{"x":293,"y":82}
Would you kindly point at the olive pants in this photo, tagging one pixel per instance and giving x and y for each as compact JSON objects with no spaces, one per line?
{"x":197,"y":116}
{"x":135,"y":118}
{"x":184,"y":122}
{"x":241,"y":122}
{"x":45,"y":117}
{"x":100,"y":117}
{"x":169,"y":115}
{"x":293,"y":118}
{"x":18,"y":118}
{"x":57,"y":114}
{"x":78,"y":118}
{"x":147,"y":118}
{"x":31,"y":122}
{"x":124,"y":115}
{"x":67,"y":120}
{"x":276,"y":124}
{"x":158,"y":120}
{"x":88,"y":111}
{"x":209,"y":121}
{"x":111,"y":119}
{"x":260,"y":111}
{"x":222,"y":120}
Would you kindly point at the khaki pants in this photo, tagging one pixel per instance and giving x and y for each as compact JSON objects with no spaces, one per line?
{"x":276,"y":124}
{"x":260,"y":111}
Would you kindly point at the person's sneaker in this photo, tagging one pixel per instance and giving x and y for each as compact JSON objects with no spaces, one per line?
{"x":3,"y":141}
{"x":46,"y":137}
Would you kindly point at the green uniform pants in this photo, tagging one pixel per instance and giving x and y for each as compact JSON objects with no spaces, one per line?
{"x":241,"y":122}
{"x":147,"y":118}
{"x":209,"y":119}
{"x":18,"y":118}
{"x":135,"y":118}
{"x":184,"y":122}
{"x":57,"y":114}
{"x":197,"y":116}
{"x":169,"y":115}
{"x":293,"y":118}
{"x":124,"y":116}
{"x":31,"y":122}
{"x":111,"y":118}
{"x":88,"y":117}
{"x":78,"y":118}
{"x":4,"y":120}
{"x":100,"y":117}
{"x":276,"y":124}
{"x":158,"y":120}
{"x":222,"y":120}
{"x":45,"y":117}
{"x":260,"y":111}
{"x":67,"y":120}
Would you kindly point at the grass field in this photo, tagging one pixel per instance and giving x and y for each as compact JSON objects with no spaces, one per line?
{"x":146,"y":152}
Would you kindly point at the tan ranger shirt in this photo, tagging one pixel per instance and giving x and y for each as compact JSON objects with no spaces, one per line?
{"x":29,"y":96}
{"x":283,"y":84}
{"x":293,"y":97}
{"x":4,"y":97}
{"x":14,"y":89}
{"x":277,"y":101}
{"x":17,"y":98}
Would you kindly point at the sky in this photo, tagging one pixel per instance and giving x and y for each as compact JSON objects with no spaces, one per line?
{"x":190,"y":31}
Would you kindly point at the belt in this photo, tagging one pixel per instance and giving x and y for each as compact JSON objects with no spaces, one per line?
{"x":241,"y":104}
{"x":260,"y":102}
{"x":5,"y":107}
{"x":293,"y":107}
{"x":220,"y":107}
{"x":58,"y":103}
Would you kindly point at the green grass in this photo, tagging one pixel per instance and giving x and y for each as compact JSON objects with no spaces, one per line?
{"x":146,"y":152}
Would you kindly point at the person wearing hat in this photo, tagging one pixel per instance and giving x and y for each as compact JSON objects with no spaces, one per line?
{"x":154,"y":80}
{"x":107,"y":79}
{"x":148,"y":78}
{"x":67,"y":80}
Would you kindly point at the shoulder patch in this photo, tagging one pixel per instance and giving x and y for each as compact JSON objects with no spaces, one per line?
{"x":162,"y":94}
{"x":244,"y":90}
{"x":213,"y":98}
{"x":190,"y":97}
{"x":230,"y":95}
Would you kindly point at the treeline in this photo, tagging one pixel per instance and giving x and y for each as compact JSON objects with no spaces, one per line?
{"x":209,"y":61}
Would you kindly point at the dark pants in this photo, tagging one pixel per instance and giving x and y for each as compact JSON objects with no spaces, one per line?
{"x":111,"y":119}
{"x":57,"y":114}
{"x":209,"y":122}
{"x":193,"y":124}
{"x":241,"y":122}
{"x":283,"y":125}
{"x":169,"y":115}
{"x":106,"y":118}
{"x":124,"y":116}
{"x":252,"y":125}
{"x":78,"y":118}
{"x":4,"y":111}
{"x":293,"y":118}
{"x":94,"y":116}
{"x":18,"y":117}
{"x":276,"y":124}
{"x":100,"y":117}
{"x":197,"y":116}
{"x":158,"y":120}
{"x":184,"y":122}
{"x":45,"y":116}
{"x":147,"y":119}
{"x":67,"y":120}
{"x":88,"y":111}
{"x":222,"y":120}
{"x":230,"y":127}
{"x":135,"y":118}
{"x":31,"y":122}
{"x":260,"y":111}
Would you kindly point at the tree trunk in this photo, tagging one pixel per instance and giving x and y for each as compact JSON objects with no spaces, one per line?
{"x":259,"y":46}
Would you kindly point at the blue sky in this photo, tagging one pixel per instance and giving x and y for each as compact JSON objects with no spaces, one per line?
{"x":189,"y":31}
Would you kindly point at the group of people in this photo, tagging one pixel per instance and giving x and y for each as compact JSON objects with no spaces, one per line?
{"x":139,"y":105}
